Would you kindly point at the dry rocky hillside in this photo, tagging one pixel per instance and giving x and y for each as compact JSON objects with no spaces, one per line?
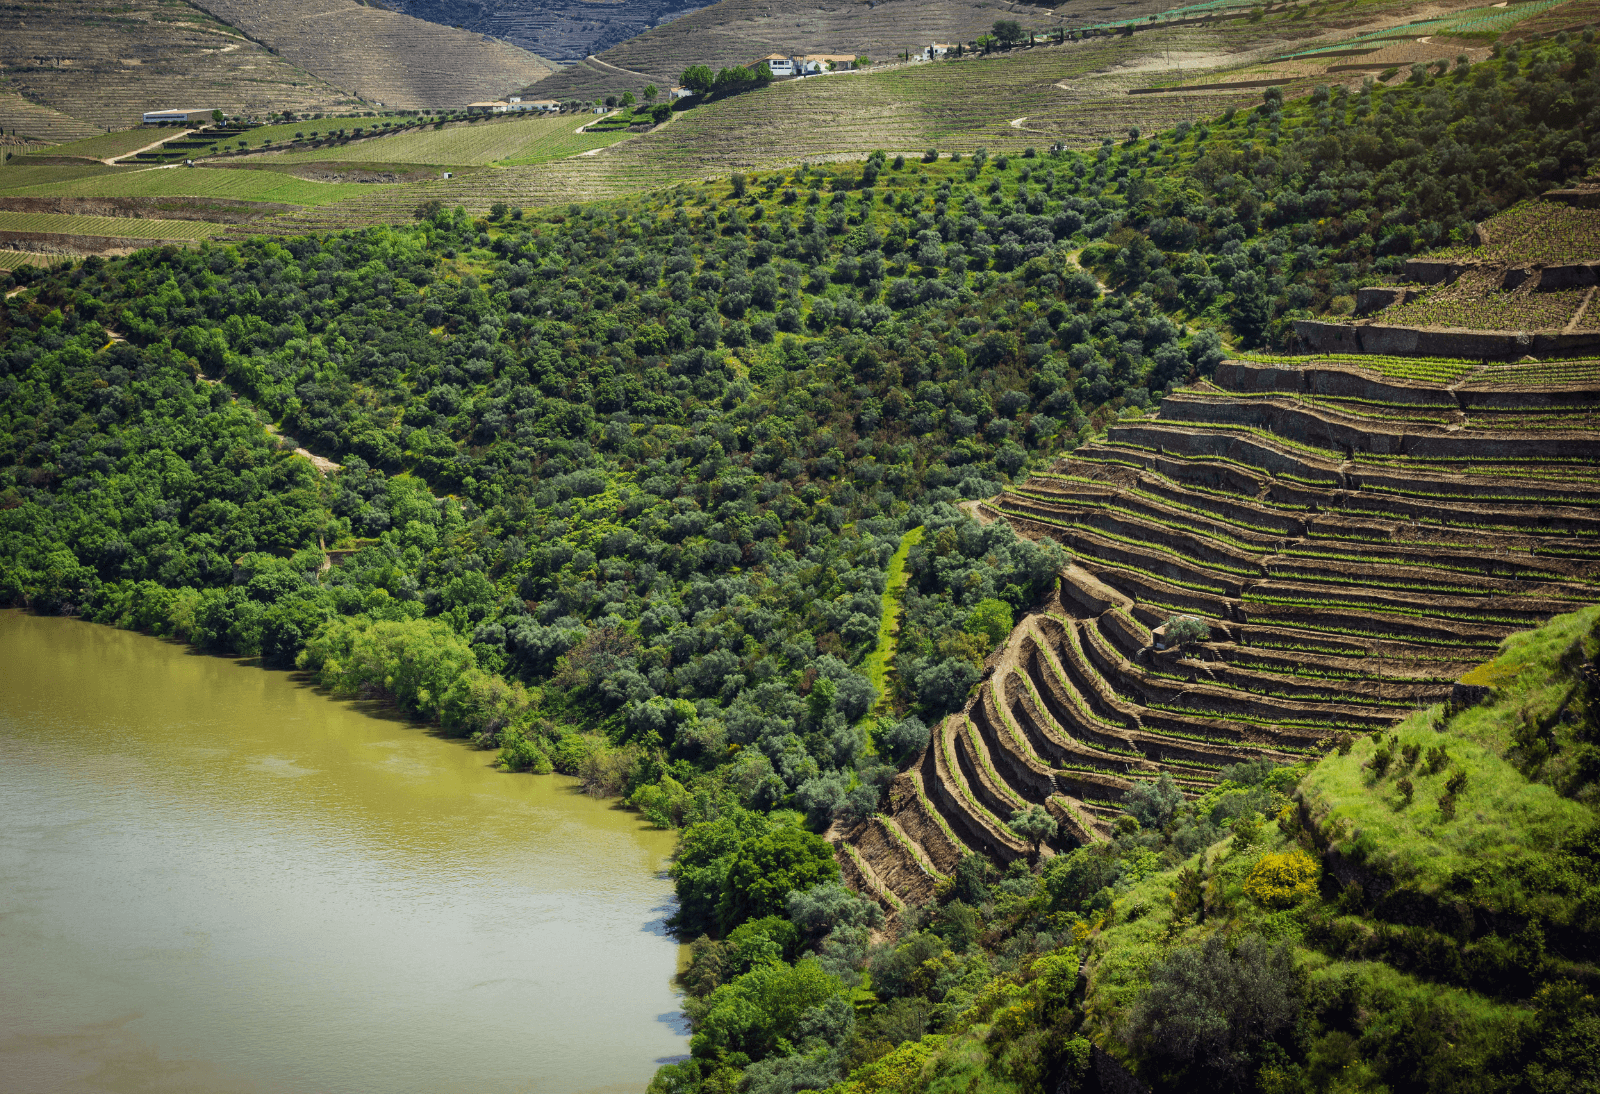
{"x":1356,"y":532}
{"x":562,"y":30}
{"x":70,"y":69}
{"x":384,"y":56}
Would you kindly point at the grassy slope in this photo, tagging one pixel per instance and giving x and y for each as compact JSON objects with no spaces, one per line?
{"x":1500,"y":817}
{"x":1502,"y":820}
{"x":199,"y":182}
{"x":520,"y":140}
{"x":124,"y":227}
{"x":1370,"y":1021}
{"x":106,"y":145}
{"x":878,"y":661}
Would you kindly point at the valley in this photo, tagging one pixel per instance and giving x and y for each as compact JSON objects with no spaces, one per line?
{"x":1085,"y":546}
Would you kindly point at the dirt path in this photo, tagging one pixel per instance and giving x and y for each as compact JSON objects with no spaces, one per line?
{"x":321,"y":463}
{"x":112,"y":162}
{"x":974,"y":509}
{"x":618,"y":68}
{"x":597,"y":121}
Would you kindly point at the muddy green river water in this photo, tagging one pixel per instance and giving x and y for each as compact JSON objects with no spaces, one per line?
{"x":214,"y":878}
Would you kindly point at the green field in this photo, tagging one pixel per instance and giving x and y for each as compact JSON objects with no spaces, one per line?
{"x":10,"y":260}
{"x":106,"y":145}
{"x":289,"y":132}
{"x":15,"y":177}
{"x":882,"y":656}
{"x":121,"y":227}
{"x":197,"y":182}
{"x":517,"y":141}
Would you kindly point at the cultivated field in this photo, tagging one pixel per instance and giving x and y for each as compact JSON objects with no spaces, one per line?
{"x":1533,"y":271}
{"x":1343,"y":586}
{"x":104,"y":68}
{"x":11,"y":260}
{"x":200,"y":182}
{"x":1477,"y":301}
{"x":512,"y":141}
{"x":22,"y":173}
{"x":120,"y":227}
{"x":30,"y":119}
{"x":739,"y":31}
{"x":103,"y":147}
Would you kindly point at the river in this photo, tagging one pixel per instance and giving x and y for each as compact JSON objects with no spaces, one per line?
{"x":214,"y":878}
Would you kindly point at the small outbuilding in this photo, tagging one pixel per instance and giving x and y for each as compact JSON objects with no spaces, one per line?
{"x":182,"y":117}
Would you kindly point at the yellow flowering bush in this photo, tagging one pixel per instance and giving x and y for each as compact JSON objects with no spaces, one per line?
{"x":1279,"y":881}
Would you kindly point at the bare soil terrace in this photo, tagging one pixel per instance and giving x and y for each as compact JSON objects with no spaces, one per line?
{"x":1356,"y":539}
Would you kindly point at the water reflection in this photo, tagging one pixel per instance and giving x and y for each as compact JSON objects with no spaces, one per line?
{"x":214,"y":878}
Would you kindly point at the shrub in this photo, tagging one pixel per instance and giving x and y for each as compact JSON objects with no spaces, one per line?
{"x":990,"y":618}
{"x":1035,"y":824}
{"x":1208,"y":1008}
{"x":1152,"y":804}
{"x":1282,"y":880}
{"x":1381,"y":759}
{"x":1185,"y":630}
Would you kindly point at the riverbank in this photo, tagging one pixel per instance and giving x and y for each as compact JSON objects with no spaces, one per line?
{"x":216,"y":877}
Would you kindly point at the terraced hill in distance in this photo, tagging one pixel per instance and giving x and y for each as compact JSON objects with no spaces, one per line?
{"x":739,"y":31}
{"x":955,"y":107}
{"x":1077,"y":94}
{"x":383,"y":56}
{"x":1526,"y":285}
{"x":71,"y":69}
{"x":1356,"y":534}
{"x":562,"y":30}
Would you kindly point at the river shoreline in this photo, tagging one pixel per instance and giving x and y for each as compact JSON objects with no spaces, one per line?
{"x":224,"y":880}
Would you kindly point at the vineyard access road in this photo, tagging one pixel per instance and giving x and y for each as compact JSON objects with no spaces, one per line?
{"x":112,"y":161}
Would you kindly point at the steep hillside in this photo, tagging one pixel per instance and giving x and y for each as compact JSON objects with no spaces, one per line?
{"x":102,"y":66}
{"x":739,"y":31}
{"x":1352,"y":536}
{"x":1420,"y":917}
{"x":562,"y":30}
{"x":384,"y":56}
{"x":1524,"y":284}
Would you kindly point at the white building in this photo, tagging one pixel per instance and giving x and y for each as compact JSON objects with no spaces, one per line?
{"x":780,"y":66}
{"x":156,"y":117}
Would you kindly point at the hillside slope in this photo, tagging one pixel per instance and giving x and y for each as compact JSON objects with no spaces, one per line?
{"x":562,"y":30}
{"x":384,"y":56}
{"x":1420,"y":917}
{"x":739,"y":31}
{"x":102,"y":67}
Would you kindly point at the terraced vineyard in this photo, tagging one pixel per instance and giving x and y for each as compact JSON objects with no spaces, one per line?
{"x":382,"y":55}
{"x":1354,"y":540}
{"x":120,"y":227}
{"x":514,"y":140}
{"x":89,"y":67}
{"x":263,"y":186}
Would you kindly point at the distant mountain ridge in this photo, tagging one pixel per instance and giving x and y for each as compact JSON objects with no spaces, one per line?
{"x":562,"y":30}
{"x":382,"y":55}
